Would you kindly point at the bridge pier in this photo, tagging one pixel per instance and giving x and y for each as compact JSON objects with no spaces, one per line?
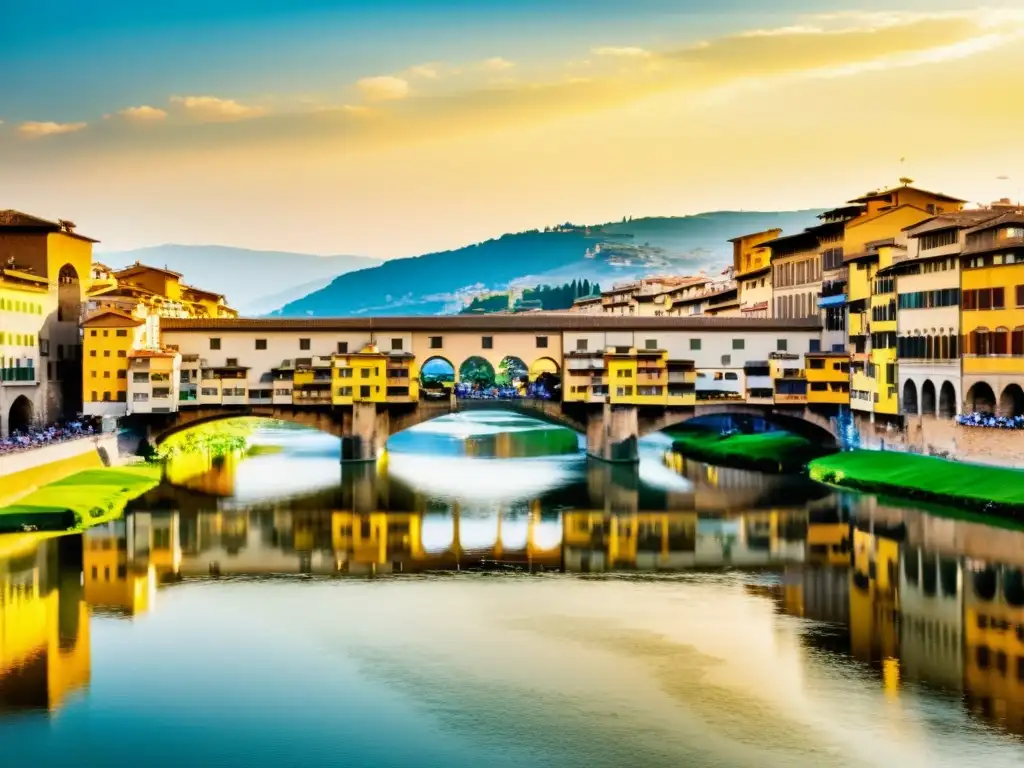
{"x":612,"y":434}
{"x":369,"y":433}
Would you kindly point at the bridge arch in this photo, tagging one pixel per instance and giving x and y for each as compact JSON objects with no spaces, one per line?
{"x":437,"y":369}
{"x":512,"y":372}
{"x":477,"y":370}
{"x":21,"y":415}
{"x":804,"y":422}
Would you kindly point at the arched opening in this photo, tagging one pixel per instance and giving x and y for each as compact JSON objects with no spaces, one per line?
{"x":69,"y":295}
{"x":476,"y":373}
{"x":981,"y":398}
{"x":21,"y":416}
{"x":437,"y":377}
{"x":953,"y":352}
{"x":929,"y":347}
{"x":513,"y":372}
{"x":546,"y":379}
{"x":928,"y":398}
{"x":947,"y":400}
{"x":1011,"y":402}
{"x":910,"y":398}
{"x":944,"y":351}
{"x":1000,"y":342}
{"x":1013,"y":586}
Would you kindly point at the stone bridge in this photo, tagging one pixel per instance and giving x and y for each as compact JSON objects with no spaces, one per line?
{"x":612,"y":431}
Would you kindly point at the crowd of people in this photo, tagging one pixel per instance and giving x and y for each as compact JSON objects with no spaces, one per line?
{"x":990,"y":420}
{"x":537,"y":390}
{"x":36,"y":437}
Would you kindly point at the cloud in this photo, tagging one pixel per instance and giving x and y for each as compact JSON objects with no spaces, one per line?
{"x":143,"y":114}
{"x":213,"y":109}
{"x":426,"y":71}
{"x":496,"y":64}
{"x":34,"y":130}
{"x":383,"y":88}
{"x":624,"y":52}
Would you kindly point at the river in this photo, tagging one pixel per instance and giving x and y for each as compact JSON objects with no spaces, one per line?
{"x":487,"y":596}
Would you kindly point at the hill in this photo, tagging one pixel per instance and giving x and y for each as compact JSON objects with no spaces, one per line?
{"x":445,"y":282}
{"x":254,"y":282}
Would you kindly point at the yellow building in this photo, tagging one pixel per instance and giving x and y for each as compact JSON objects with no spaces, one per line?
{"x":828,"y":378}
{"x":992,"y":320}
{"x":362,"y":378}
{"x":160,"y":291}
{"x":108,"y":339}
{"x":871,"y":305}
{"x":752,"y":268}
{"x":648,"y":377}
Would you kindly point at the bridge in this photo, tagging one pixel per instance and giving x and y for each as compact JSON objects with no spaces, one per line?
{"x":614,"y":379}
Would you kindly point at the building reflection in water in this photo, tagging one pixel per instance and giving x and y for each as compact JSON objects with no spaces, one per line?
{"x":919,"y":598}
{"x":44,"y":622}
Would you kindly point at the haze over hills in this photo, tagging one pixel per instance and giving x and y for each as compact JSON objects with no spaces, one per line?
{"x":444,"y":282}
{"x":254,"y":282}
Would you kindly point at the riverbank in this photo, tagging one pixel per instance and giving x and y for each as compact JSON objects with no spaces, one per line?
{"x":82,"y":500}
{"x":770,"y":452}
{"x":924,"y":478}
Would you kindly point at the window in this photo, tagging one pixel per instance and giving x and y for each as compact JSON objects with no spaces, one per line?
{"x":651,"y":344}
{"x":435,"y":342}
{"x":121,"y":332}
{"x":261,"y":343}
{"x":344,"y":373}
{"x":214,"y":343}
{"x":781,"y":345}
{"x":140,"y":397}
{"x":815,"y":345}
{"x":92,"y":353}
{"x":106,"y":397}
{"x":726,"y":359}
{"x":581,"y":344}
{"x":105,"y":333}
{"x":737,"y":343}
{"x":232,"y":362}
{"x":342,"y":347}
{"x":304,"y":344}
{"x":487,"y":342}
{"x":364,"y":373}
{"x":106,"y":353}
{"x":396,"y":345}
{"x":122,"y":353}
{"x":92,"y":333}
{"x":695,"y":345}
{"x":364,"y":391}
{"x":542,"y":342}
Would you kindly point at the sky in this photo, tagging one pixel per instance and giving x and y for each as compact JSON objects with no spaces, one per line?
{"x":399,"y":127}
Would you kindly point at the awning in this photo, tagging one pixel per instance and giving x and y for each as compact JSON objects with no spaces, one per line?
{"x":832,"y":301}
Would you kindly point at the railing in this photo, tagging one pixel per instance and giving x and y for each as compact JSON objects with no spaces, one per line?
{"x":18,"y":375}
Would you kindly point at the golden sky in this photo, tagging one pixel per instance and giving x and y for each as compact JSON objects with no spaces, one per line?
{"x":431,"y":153}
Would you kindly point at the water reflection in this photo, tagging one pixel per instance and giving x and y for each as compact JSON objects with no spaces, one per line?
{"x":846,"y":603}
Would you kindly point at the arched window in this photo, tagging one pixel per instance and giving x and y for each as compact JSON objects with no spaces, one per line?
{"x":930,"y":348}
{"x":953,"y":353}
{"x":1017,"y":342}
{"x":1000,"y":337}
{"x":944,"y":351}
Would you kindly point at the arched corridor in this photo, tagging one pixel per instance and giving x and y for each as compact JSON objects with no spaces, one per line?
{"x":1011,"y":401}
{"x":947,"y":401}
{"x":981,"y":398}
{"x":928,"y":398}
{"x":910,"y":398}
{"x":69,"y":295}
{"x":21,"y":416}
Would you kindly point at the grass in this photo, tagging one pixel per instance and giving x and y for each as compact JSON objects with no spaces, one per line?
{"x":925,"y":478}
{"x":82,"y":500}
{"x":263,"y":450}
{"x":762,"y":451}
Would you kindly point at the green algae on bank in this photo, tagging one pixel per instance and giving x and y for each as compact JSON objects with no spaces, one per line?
{"x":82,"y":500}
{"x":925,"y":478}
{"x":773,"y":452}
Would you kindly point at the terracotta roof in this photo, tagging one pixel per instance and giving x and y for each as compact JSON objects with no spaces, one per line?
{"x":16,"y":220}
{"x":151,"y":353}
{"x":891,"y":190}
{"x":755,"y":307}
{"x":1010,"y":218}
{"x":525,"y":323}
{"x":807,"y":235}
{"x":112,"y":314}
{"x":139,"y":267}
{"x":193,"y":289}
{"x":774,"y":232}
{"x":844,"y":210}
{"x":587,"y":299}
{"x":957,"y":220}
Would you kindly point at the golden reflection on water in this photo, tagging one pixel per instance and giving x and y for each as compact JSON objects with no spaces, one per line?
{"x":915,"y":601}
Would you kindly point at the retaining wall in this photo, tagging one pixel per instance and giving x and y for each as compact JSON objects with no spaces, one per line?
{"x":23,"y":472}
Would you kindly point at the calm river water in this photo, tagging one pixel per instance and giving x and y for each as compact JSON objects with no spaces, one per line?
{"x":449,"y":609}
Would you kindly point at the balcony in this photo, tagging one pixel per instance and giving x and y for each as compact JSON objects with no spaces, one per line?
{"x":20,"y":376}
{"x":651,"y":377}
{"x":682,"y":377}
{"x":585,"y":363}
{"x":790,"y":398}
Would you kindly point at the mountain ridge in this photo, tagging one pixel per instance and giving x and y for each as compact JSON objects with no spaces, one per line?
{"x":444,"y":281}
